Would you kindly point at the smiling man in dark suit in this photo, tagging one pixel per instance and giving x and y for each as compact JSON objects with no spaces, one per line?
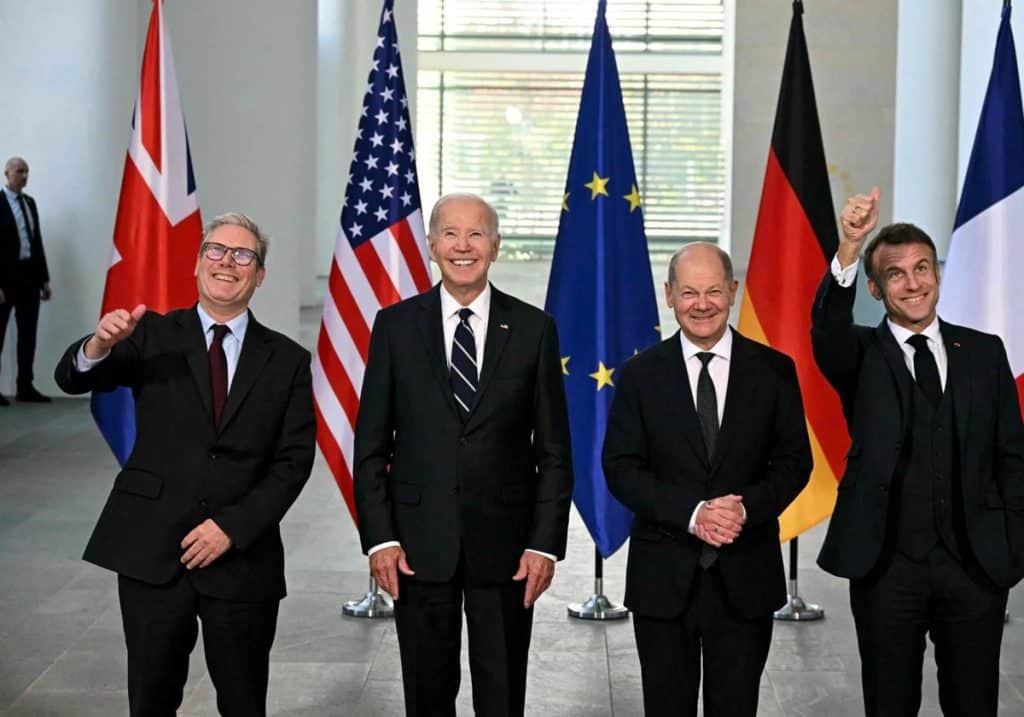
{"x":929,"y":522}
{"x":463,"y":475}
{"x":707,"y":445}
{"x":24,"y":277}
{"x":225,"y":442}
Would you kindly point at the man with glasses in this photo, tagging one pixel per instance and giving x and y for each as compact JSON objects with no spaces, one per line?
{"x":225,"y":442}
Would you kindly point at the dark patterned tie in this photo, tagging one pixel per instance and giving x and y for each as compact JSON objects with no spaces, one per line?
{"x":707,"y":413}
{"x":464,"y":373}
{"x":707,"y":404}
{"x":926,"y":371}
{"x":28,"y":220}
{"x":218,"y":371}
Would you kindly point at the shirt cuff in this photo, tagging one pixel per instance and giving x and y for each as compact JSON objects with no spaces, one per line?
{"x":549,"y":556}
{"x":693,"y":519}
{"x":844,"y":277}
{"x":381,"y":546}
{"x":83,"y":363}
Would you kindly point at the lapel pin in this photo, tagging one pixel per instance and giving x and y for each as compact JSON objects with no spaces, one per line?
{"x":504,"y":326}
{"x":956,"y":344}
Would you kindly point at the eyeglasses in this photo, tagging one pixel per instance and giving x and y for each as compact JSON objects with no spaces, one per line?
{"x":215,"y":252}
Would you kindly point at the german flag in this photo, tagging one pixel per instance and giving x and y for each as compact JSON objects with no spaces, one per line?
{"x":794,"y":241}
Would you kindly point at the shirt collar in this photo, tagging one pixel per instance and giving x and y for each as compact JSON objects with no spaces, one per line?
{"x":238,"y":325}
{"x":901,"y":334}
{"x":11,"y":194}
{"x":480,"y":306}
{"x":722,"y":349}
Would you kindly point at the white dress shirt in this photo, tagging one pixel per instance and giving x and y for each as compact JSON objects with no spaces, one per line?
{"x":450,"y":307}
{"x":846,"y":277}
{"x":718,"y":369}
{"x":232,"y":343}
{"x":23,"y":222}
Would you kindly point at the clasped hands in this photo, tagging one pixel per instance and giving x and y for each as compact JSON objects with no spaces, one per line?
{"x":535,"y":569}
{"x":720,"y":520}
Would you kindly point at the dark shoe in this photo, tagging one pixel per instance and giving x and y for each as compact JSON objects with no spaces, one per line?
{"x":4,"y":401}
{"x":31,"y":395}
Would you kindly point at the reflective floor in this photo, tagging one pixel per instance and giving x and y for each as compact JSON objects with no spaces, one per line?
{"x":61,"y":650}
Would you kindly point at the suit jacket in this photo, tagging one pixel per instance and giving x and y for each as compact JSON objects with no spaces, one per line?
{"x":867,"y":369}
{"x":10,"y":247}
{"x":184,"y":469}
{"x":490,"y":487}
{"x":656,"y":464}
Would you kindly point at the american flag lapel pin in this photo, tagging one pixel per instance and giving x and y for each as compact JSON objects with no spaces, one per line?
{"x":956,"y":344}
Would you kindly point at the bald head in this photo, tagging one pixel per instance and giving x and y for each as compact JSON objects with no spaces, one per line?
{"x":16,"y":171}
{"x":700,"y":250}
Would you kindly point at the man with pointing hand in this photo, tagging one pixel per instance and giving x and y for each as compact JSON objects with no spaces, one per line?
{"x":929,"y":521}
{"x":225,"y":443}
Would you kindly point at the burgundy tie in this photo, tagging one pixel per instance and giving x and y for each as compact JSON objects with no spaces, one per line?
{"x":218,"y":371}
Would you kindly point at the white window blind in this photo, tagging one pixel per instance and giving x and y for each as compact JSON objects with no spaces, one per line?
{"x":499,"y":91}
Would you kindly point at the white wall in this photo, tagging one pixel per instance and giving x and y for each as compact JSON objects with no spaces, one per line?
{"x":67,"y":111}
{"x":247,"y":71}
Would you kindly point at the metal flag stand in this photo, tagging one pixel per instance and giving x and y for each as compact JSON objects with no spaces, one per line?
{"x":373,"y":604}
{"x":796,"y":610}
{"x":597,"y":606}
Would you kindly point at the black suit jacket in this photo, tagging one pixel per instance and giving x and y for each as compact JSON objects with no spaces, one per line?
{"x":183,"y":469}
{"x":656,"y":465}
{"x":11,"y":273}
{"x":491,"y":487}
{"x":867,"y":368}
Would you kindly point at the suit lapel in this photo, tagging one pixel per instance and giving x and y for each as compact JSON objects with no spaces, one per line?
{"x":196,"y":356}
{"x":256,"y":350}
{"x":893,"y":355}
{"x":677,"y":383}
{"x":739,"y":394}
{"x":958,"y":378}
{"x":430,"y":325}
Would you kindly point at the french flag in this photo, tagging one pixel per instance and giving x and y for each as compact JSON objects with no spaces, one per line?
{"x":983,"y":282}
{"x":158,"y":228}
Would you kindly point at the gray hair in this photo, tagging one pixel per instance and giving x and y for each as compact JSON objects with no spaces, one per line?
{"x":492,"y":215}
{"x":723,"y":255}
{"x":12,"y":162}
{"x":237,"y":219}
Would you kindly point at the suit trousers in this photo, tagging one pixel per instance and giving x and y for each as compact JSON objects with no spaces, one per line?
{"x":23,"y":299}
{"x":160,"y":632}
{"x":733,"y":650}
{"x":951,"y":601}
{"x":428,"y":619}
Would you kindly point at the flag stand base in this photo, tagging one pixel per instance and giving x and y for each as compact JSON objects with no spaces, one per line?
{"x":796,"y":610}
{"x":374,"y":604}
{"x":597,"y":606}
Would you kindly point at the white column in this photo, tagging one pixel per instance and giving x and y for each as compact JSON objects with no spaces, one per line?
{"x":927,"y":116}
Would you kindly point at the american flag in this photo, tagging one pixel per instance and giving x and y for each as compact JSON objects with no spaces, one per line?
{"x":380,"y":256}
{"x":158,"y":228}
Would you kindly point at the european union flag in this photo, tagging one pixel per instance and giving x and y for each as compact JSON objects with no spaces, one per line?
{"x":600,"y":292}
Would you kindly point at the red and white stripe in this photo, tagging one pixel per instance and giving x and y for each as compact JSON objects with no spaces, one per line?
{"x":391,"y":266}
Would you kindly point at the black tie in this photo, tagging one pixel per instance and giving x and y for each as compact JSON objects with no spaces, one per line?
{"x":464,"y":369}
{"x":707,"y":414}
{"x":707,"y":404}
{"x":28,"y":219}
{"x":926,"y":371}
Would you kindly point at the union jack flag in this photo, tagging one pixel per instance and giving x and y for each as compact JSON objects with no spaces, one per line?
{"x":380,"y":256}
{"x":158,"y":228}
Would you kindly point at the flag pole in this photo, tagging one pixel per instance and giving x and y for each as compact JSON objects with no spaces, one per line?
{"x":796,"y":610}
{"x":374,"y":604}
{"x":597,"y":606}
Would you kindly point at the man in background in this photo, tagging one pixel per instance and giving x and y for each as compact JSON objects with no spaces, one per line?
{"x":24,"y":278}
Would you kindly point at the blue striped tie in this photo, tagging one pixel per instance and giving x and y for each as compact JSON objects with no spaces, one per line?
{"x":464,"y":369}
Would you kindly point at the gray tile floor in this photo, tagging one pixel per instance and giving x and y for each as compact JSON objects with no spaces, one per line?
{"x":61,"y":650}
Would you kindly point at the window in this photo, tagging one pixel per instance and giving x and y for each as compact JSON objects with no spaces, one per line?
{"x":499,"y":89}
